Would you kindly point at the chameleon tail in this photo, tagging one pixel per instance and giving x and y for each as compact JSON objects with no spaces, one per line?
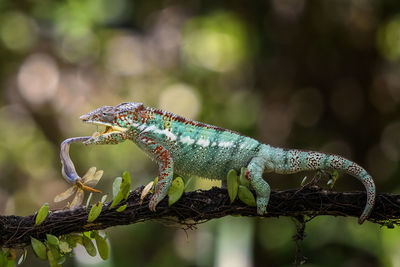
{"x":293,"y":160}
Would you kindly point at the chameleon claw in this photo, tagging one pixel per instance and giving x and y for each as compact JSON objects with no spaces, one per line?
{"x":86,"y":188}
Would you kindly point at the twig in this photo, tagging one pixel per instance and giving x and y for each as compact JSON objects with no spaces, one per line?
{"x":197,"y":207}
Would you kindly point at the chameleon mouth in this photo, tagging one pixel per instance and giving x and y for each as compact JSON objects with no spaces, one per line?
{"x":109,"y":128}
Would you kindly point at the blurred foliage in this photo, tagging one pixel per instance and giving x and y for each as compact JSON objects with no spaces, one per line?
{"x":321,"y":75}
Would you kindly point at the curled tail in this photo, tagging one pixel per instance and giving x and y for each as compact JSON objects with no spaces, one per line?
{"x":293,"y":160}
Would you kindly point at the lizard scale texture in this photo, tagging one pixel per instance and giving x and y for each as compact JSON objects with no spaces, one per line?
{"x":188,"y":147}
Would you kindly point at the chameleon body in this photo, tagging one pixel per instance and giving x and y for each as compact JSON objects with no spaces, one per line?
{"x":188,"y":147}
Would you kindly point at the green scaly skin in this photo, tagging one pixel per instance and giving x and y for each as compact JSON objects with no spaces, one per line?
{"x":189,"y":147}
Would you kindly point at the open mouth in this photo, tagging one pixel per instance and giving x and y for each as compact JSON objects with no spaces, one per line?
{"x":105,"y":128}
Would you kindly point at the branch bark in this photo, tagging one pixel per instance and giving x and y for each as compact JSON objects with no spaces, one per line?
{"x":197,"y":207}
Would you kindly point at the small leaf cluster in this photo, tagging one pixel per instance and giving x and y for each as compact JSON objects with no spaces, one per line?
{"x":240,"y":186}
{"x":55,"y":249}
{"x":174,"y":193}
{"x":121,"y":189}
{"x":96,"y":209}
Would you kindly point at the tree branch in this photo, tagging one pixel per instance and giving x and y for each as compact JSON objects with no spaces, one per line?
{"x":197,"y":207}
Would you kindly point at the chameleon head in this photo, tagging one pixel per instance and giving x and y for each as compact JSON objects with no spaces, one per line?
{"x":116,"y":120}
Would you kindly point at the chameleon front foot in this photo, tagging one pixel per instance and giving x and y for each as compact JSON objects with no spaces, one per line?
{"x":153,"y":203}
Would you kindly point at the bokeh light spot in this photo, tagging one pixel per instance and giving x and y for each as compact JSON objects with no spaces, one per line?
{"x":289,"y":8}
{"x":38,"y":78}
{"x":241,"y":110}
{"x":307,"y":106}
{"x":125,"y":55}
{"x":388,"y":39}
{"x":78,"y":17}
{"x":215,"y":42}
{"x":180,"y":99}
{"x":17,"y":31}
{"x":338,"y":147}
{"x":277,"y":123}
{"x":347,"y":101}
{"x":79,"y":48}
{"x":378,"y":164}
{"x":390,"y":141}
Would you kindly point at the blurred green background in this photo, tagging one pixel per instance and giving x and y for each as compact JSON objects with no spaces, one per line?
{"x":320,"y":75}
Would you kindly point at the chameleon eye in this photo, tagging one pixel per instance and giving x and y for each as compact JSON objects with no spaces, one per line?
{"x":107,"y":117}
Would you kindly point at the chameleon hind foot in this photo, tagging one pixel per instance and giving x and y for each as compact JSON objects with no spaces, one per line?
{"x":262,"y":203}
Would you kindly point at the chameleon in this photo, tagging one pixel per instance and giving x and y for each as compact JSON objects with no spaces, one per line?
{"x":192,"y":148}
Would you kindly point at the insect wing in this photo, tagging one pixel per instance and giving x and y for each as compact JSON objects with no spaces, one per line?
{"x":78,"y":199}
{"x":66,"y":194}
{"x":94,"y":179}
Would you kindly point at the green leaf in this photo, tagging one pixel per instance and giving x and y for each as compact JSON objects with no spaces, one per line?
{"x":39,"y":248}
{"x":95,"y":211}
{"x":89,"y":246}
{"x":104,"y":199}
{"x":389,"y":224}
{"x":10,"y":263}
{"x":52,"y":259}
{"x":42,"y":214}
{"x":103,"y":247}
{"x":64,"y":247}
{"x":88,"y":200}
{"x":246,"y":196}
{"x":3,"y":259}
{"x":91,"y":234}
{"x":334,"y":177}
{"x":10,"y":253}
{"x":53,"y":255}
{"x":122,"y":208}
{"x":117,"y":200}
{"x":22,"y":258}
{"x":232,"y":181}
{"x":72,"y":240}
{"x":175,"y":191}
{"x":303,"y":182}
{"x":124,"y":190}
{"x":53,"y":240}
{"x":7,"y":258}
{"x":188,"y":184}
{"x":154,"y":184}
{"x":242,"y":177}
{"x":61,"y":260}
{"x":116,"y":186}
{"x":126,"y":184}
